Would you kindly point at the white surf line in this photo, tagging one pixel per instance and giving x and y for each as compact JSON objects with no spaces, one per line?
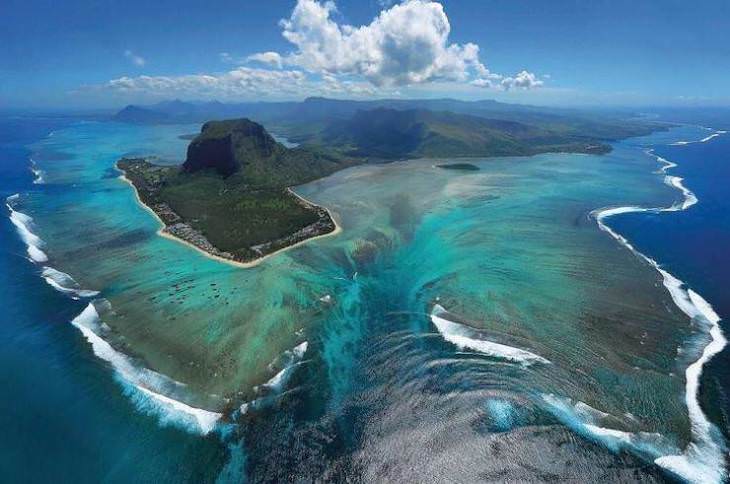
{"x":704,"y":458}
{"x":23,"y":224}
{"x":703,"y":140}
{"x":674,"y":182}
{"x":37,"y":172}
{"x":143,"y":380}
{"x":291,"y":359}
{"x":591,"y":423}
{"x":464,"y":337}
{"x":60,"y":281}
{"x":65,"y":284}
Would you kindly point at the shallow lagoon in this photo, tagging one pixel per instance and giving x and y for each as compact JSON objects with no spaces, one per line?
{"x":510,"y":250}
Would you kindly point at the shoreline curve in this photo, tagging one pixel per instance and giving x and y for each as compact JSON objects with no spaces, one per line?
{"x":242,"y":265}
{"x":703,"y":460}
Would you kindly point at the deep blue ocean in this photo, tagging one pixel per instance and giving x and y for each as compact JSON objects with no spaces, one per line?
{"x":695,"y":246}
{"x":64,"y":418}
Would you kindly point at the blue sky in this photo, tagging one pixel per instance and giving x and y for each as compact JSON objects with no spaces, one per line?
{"x":108,"y":53}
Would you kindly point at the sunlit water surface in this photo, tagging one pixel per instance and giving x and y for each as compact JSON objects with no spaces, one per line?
{"x":463,"y":326}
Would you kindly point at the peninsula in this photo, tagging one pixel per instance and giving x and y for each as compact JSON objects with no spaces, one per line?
{"x":231,"y":197}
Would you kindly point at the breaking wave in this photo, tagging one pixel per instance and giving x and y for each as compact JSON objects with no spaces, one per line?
{"x":288,"y":362}
{"x":703,"y":140}
{"x":594,"y":425}
{"x":37,"y":172}
{"x":24,"y":224}
{"x":66,"y":284}
{"x":291,"y":358}
{"x":143,"y":385}
{"x":464,"y":337}
{"x":704,"y":458}
{"x":60,"y":281}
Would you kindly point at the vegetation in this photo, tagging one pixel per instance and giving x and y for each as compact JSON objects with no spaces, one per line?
{"x":393,"y":134}
{"x":244,"y":151}
{"x":230,"y":197}
{"x":320,"y":121}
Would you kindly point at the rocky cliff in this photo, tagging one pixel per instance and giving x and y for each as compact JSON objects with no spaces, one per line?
{"x":227,"y":146}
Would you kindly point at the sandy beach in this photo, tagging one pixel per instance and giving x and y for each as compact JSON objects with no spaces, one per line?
{"x":245,"y":265}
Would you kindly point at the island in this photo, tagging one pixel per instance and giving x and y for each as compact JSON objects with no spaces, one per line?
{"x":231,"y":198}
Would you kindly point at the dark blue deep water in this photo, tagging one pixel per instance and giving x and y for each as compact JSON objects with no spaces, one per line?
{"x":694,"y":245}
{"x":64,"y":418}
{"x":62,"y":415}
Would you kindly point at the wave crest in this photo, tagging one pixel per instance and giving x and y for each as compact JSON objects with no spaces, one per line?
{"x":143,"y":382}
{"x":704,"y":458}
{"x":23,"y":224}
{"x":465,"y":337}
{"x":65,"y":284}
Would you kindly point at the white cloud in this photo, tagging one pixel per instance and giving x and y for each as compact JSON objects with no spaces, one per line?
{"x":522,"y":80}
{"x":406,"y":44}
{"x":227,"y":58}
{"x":272,"y":59}
{"x":239,"y":83}
{"x":134,"y":59}
{"x":405,"y":48}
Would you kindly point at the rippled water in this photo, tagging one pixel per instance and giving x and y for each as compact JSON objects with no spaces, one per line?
{"x":557,"y":353}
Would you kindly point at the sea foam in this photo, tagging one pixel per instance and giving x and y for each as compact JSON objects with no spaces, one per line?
{"x":60,"y":281}
{"x":591,"y":423}
{"x":464,"y":337}
{"x":703,"y":140}
{"x":291,"y":359}
{"x":23,"y":224}
{"x":37,"y":172}
{"x":704,"y":458}
{"x":66,"y":284}
{"x":142,"y":384}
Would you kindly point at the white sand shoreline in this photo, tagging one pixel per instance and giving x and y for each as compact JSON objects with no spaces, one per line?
{"x":245,"y":265}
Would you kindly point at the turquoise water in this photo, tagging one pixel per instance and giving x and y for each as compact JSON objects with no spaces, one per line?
{"x":329,"y":360}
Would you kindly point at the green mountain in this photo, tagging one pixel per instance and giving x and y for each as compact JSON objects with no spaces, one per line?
{"x":244,"y":151}
{"x":392,"y":134}
{"x":302,"y":121}
{"x":230,"y":197}
{"x":141,"y":115}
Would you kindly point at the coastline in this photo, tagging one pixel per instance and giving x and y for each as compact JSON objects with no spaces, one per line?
{"x":243,"y":265}
{"x":690,"y":463}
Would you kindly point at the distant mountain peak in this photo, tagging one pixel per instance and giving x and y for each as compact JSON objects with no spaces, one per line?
{"x":226,"y":146}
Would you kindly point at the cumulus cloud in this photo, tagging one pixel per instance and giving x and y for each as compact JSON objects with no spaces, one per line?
{"x":242,"y":82}
{"x":406,"y":44}
{"x":239,"y":81}
{"x":134,"y":59}
{"x":227,"y":58}
{"x":522,"y":80}
{"x":272,"y":59}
